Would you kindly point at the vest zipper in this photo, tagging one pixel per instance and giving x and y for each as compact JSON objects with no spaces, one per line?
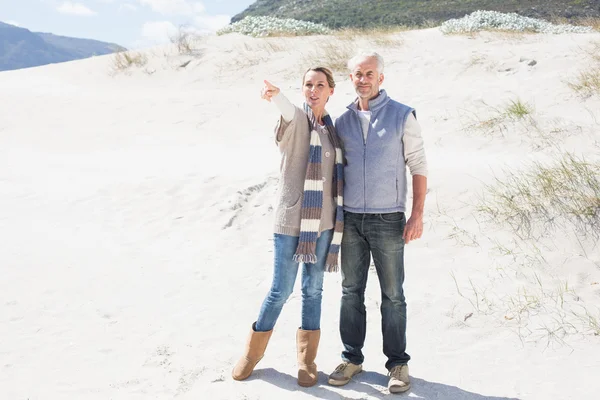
{"x":365,"y":174}
{"x":364,"y":160}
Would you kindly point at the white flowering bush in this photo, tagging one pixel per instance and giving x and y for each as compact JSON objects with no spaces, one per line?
{"x":271,"y":26}
{"x":486,"y":20}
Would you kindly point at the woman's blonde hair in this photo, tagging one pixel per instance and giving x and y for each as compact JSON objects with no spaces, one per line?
{"x":326,"y":71}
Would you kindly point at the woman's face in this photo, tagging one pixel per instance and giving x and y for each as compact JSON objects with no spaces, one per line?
{"x":316,"y":89}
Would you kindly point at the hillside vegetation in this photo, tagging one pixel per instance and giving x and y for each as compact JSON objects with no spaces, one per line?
{"x":363,"y":13}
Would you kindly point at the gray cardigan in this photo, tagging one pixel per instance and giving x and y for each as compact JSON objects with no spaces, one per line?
{"x":293,"y":138}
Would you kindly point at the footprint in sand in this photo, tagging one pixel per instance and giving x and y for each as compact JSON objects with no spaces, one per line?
{"x":246,"y":197}
{"x":125,"y":384}
{"x":161,"y":358}
{"x":188,"y":379}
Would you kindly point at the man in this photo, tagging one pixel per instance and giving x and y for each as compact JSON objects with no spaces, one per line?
{"x":381,"y":138}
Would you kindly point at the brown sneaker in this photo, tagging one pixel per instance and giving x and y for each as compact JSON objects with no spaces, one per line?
{"x":343,"y":373}
{"x":399,"y":380}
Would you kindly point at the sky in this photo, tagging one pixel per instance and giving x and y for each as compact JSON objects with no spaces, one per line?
{"x":129,"y":23}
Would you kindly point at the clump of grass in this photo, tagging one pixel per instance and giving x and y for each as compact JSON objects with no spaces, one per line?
{"x":476,"y":59}
{"x":183,"y":41}
{"x":514,"y":110}
{"x":595,"y":52}
{"x":538,"y":306}
{"x":566,"y":193}
{"x":591,"y":321}
{"x":516,"y":119}
{"x":334,"y":51}
{"x":333,"y":54}
{"x":124,"y":60}
{"x":475,"y":295}
{"x":267,"y":45}
{"x":592,"y":22}
{"x":587,"y":82}
{"x":252,"y":52}
{"x":558,"y":200}
{"x":379,"y":36}
{"x":517,"y":109}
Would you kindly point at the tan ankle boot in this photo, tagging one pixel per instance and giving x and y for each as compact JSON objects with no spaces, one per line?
{"x":255,"y":350}
{"x":307,"y":343}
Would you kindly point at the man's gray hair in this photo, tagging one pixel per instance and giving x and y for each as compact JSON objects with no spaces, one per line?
{"x":354,"y":61}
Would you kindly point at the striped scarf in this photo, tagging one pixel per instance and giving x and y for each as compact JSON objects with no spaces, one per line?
{"x":312,"y":203}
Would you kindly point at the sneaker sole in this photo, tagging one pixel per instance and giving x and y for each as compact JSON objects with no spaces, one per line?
{"x":337,"y":383}
{"x":334,"y":382}
{"x":401,"y":389}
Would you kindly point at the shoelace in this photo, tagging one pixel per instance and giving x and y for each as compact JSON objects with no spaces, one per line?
{"x":341,"y":367}
{"x":396,"y":373}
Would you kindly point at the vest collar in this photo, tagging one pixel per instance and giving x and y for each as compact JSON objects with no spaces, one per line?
{"x":374,"y":104}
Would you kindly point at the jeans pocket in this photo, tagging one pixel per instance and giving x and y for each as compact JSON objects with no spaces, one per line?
{"x":392,"y":217}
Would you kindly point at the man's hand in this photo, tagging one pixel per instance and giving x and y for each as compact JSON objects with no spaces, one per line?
{"x":413,"y":229}
{"x":269,"y":91}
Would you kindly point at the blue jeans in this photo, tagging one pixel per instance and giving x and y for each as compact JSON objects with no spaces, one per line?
{"x":381,"y":236}
{"x":284,"y":277}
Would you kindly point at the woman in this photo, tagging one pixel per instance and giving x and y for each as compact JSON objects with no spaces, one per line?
{"x":309,"y":219}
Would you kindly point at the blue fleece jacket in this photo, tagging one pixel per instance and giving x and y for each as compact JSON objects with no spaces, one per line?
{"x":375,"y":171}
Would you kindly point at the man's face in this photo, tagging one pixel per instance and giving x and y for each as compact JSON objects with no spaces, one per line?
{"x":366,"y":79}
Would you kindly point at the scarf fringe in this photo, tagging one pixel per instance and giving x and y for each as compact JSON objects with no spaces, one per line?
{"x":332,"y":268}
{"x":331,"y":265}
{"x":305,"y":258}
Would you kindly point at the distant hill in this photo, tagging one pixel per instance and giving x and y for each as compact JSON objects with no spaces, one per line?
{"x":21,"y":48}
{"x":365,"y":13}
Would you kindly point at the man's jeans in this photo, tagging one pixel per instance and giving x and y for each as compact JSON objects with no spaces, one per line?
{"x":381,"y":235}
{"x":284,"y":277}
